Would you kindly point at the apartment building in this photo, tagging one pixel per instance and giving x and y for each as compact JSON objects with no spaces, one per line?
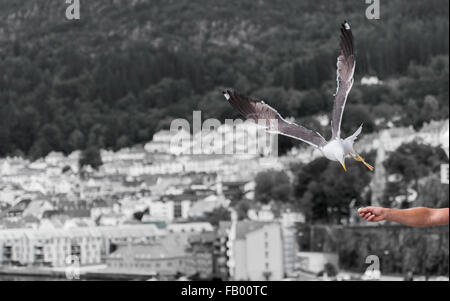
{"x":257,"y":251}
{"x":165,"y":257}
{"x":55,"y":247}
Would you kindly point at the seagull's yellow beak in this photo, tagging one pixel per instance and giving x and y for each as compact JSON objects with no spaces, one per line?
{"x":343,"y":165}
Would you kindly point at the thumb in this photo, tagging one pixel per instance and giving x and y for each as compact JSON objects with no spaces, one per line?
{"x":365,"y":210}
{"x":378,"y":218}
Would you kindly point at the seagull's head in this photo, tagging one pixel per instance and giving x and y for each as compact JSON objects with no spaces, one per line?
{"x":340,"y":157}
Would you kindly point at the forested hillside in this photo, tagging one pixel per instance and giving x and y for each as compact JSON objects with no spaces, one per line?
{"x":127,"y":68}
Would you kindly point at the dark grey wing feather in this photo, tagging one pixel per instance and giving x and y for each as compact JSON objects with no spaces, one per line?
{"x":267,"y":116}
{"x":345,"y":69}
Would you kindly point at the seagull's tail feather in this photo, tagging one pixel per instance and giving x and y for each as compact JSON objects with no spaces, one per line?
{"x":353,"y":137}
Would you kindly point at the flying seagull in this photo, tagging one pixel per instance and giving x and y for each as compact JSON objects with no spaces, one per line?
{"x":336,"y":149}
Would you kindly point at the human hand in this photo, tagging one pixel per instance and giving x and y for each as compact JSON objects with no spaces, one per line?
{"x":373,"y":214}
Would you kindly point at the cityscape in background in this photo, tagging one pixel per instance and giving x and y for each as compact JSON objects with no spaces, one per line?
{"x":149,"y":213}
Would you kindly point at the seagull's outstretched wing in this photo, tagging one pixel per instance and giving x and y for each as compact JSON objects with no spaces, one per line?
{"x":345,"y":69}
{"x":259,"y":111}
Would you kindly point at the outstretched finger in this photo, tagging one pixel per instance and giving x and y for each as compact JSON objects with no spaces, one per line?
{"x":365,"y":210}
{"x":367,"y":215}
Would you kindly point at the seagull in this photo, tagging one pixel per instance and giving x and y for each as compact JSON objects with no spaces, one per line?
{"x":336,"y":149}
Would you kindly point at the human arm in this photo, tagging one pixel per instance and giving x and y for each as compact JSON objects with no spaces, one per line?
{"x":414,"y":217}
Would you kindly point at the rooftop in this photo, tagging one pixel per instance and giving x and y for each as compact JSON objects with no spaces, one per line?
{"x":130,"y":231}
{"x":170,"y":246}
{"x":245,"y":227}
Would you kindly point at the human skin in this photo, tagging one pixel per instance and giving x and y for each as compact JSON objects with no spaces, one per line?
{"x":414,"y":217}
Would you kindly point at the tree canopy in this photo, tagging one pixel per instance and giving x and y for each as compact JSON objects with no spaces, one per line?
{"x":124,"y":71}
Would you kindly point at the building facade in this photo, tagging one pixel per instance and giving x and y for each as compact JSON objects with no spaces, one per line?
{"x":257,"y":251}
{"x":55,"y":247}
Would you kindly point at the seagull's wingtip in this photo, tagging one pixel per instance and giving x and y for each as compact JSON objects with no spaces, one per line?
{"x":346,"y":25}
{"x":226,"y":94}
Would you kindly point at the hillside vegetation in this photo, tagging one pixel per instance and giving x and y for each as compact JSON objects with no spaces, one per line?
{"x":127,"y":68}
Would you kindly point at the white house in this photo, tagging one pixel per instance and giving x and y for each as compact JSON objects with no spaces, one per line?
{"x":257,"y":251}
